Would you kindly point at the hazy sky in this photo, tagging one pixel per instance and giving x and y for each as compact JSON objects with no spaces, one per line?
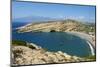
{"x":28,"y":9}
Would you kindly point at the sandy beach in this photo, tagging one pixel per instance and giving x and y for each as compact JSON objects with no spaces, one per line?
{"x":87,"y":37}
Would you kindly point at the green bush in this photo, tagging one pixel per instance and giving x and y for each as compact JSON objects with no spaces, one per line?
{"x":93,"y":57}
{"x":19,"y":43}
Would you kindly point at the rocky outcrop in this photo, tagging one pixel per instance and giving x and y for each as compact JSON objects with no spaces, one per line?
{"x":53,"y":26}
{"x":22,"y":55}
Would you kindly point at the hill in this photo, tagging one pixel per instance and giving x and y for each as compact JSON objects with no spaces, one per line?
{"x":58,"y":26}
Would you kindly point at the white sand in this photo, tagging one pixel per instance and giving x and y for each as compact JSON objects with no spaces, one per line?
{"x":86,"y":37}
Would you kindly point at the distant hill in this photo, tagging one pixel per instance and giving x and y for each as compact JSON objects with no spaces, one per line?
{"x":58,"y":26}
{"x":32,"y":19}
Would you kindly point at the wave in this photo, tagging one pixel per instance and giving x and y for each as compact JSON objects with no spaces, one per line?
{"x":91,"y":47}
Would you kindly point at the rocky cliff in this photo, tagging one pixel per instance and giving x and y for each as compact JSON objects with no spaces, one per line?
{"x":23,"y":55}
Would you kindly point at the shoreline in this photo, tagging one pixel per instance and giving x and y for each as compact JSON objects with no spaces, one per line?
{"x":86,"y":37}
{"x":91,"y":47}
{"x":37,"y":55}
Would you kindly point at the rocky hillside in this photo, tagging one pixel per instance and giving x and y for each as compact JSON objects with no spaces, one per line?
{"x":57,"y":26}
{"x":33,"y":54}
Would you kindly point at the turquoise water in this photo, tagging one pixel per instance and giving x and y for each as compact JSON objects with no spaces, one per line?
{"x":56,"y":41}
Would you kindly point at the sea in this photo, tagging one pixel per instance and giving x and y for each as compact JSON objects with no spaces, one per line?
{"x":54,"y":41}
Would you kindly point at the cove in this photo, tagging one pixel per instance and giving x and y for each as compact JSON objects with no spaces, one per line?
{"x":56,"y":41}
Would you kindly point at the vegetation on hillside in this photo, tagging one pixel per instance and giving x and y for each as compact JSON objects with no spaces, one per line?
{"x":21,"y":43}
{"x":91,"y":57}
{"x":18,"y":43}
{"x":80,"y":26}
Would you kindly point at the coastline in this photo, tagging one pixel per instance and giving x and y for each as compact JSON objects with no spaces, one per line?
{"x":91,"y":47}
{"x":86,"y":37}
{"x":33,"y":54}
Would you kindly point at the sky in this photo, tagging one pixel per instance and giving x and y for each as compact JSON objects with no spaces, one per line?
{"x":68,"y":11}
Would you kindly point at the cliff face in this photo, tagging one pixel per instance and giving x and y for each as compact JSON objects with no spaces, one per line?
{"x":53,"y":26}
{"x":22,"y":55}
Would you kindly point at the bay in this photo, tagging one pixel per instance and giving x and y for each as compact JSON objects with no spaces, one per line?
{"x":56,"y":41}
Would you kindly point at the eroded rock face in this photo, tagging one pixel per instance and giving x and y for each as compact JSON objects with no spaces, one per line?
{"x":22,"y":55}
